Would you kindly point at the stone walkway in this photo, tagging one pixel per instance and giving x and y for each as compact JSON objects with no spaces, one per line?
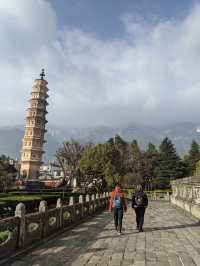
{"x":171,"y":237}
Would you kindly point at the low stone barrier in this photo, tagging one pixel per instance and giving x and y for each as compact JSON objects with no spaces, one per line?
{"x":23,"y":229}
{"x":186,"y":194}
{"x":163,"y":196}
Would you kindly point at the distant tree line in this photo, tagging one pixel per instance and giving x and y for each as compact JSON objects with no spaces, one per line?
{"x":118,"y":161}
{"x":7,"y":173}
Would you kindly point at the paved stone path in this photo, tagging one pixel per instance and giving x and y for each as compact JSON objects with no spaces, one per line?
{"x":171,"y":237}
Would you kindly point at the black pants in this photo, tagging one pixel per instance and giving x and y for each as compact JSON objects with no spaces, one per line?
{"x":118,"y":216}
{"x":140,"y":217}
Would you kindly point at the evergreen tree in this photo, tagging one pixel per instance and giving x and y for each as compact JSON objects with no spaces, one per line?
{"x":7,"y":172}
{"x":136,"y":161}
{"x":121,"y":147}
{"x":150,"y":163}
{"x":197,"y":169}
{"x":193,"y":157}
{"x":169,"y":165}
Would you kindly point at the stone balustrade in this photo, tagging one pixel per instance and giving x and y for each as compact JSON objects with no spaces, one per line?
{"x":157,"y":196}
{"x":186,"y":194}
{"x":163,"y":196}
{"x":23,"y":229}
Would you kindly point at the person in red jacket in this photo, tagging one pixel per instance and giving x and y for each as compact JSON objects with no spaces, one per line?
{"x":117,"y":204}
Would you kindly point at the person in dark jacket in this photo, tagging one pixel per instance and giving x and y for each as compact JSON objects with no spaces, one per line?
{"x":139,"y":204}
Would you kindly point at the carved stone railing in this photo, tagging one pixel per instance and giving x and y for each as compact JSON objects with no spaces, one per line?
{"x":186,"y":194}
{"x":23,"y":230}
{"x":159,"y":196}
{"x":154,"y":196}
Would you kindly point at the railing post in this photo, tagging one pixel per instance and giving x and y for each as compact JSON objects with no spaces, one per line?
{"x":97,"y":201}
{"x":59,"y":206}
{"x":154,"y":195}
{"x":90,"y":204}
{"x":43,"y":210}
{"x":71,"y":203}
{"x":84,"y":206}
{"x":20,"y":212}
{"x":87,"y":198}
{"x":43,"y":206}
{"x":81,"y":199}
{"x":87,"y":203}
{"x":59,"y":203}
{"x":82,"y":202}
{"x":104,"y":199}
{"x":93,"y":203}
{"x":168,"y":196}
{"x":107,"y":197}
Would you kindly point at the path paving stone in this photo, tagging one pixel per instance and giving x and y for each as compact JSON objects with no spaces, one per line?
{"x":171,"y":237}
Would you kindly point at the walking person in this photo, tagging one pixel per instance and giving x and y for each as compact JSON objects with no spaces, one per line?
{"x":139,"y":204}
{"x":117,"y":204}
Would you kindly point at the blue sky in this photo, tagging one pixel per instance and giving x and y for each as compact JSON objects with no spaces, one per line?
{"x":102,"y":17}
{"x":107,"y":62}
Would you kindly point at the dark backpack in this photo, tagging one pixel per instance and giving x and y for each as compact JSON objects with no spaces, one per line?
{"x":117,"y":201}
{"x":139,"y":200}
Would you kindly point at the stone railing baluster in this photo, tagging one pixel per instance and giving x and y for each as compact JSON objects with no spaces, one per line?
{"x":43,"y":210}
{"x":82,"y":201}
{"x":20,"y":212}
{"x":59,"y":206}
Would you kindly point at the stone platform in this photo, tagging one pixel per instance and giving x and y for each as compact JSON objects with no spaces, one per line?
{"x":171,"y":237}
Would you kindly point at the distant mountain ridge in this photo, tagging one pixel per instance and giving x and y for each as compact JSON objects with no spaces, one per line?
{"x":181,"y":135}
{"x":11,"y":141}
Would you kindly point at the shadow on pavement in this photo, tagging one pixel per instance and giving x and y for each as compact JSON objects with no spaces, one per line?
{"x":161,"y":228}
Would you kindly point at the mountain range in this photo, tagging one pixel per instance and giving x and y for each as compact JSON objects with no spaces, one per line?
{"x":181,"y":135}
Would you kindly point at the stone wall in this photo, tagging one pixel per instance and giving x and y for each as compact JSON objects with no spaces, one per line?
{"x":23,"y":229}
{"x":186,"y":194}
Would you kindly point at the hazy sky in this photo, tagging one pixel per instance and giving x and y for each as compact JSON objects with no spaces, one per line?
{"x":107,"y":61}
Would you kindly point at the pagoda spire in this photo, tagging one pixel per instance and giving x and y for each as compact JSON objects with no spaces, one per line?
{"x":42,"y":75}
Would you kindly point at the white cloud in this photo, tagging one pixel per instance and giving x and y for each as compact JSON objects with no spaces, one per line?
{"x":151,"y":75}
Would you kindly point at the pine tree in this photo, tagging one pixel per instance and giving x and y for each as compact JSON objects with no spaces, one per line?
{"x":150,"y":163}
{"x":197,"y":169}
{"x":193,"y":157}
{"x":169,"y":165}
{"x":136,"y":161}
{"x":7,"y":172}
{"x":121,"y":146}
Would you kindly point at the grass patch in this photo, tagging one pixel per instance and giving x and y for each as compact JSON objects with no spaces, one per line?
{"x":4,"y":236}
